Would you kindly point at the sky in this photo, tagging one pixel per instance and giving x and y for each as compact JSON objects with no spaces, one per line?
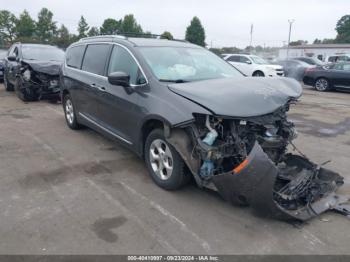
{"x":226,"y":22}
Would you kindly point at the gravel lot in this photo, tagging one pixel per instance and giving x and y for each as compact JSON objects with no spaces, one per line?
{"x":74,"y":192}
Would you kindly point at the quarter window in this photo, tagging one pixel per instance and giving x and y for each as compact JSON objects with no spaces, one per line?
{"x":122,"y":61}
{"x":95,"y":58}
{"x":75,"y":56}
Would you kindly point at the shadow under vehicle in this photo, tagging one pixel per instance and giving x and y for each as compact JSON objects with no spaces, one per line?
{"x":189,"y":113}
{"x":32,"y":71}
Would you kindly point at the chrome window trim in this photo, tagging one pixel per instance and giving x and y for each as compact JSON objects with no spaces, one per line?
{"x":105,"y":77}
{"x":105,"y":129}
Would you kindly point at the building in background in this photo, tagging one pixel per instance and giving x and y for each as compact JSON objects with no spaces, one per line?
{"x":320,"y":51}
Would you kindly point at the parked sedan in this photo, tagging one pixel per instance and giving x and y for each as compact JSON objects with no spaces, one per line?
{"x":2,"y":63}
{"x":334,"y":76}
{"x":32,"y":71}
{"x":294,"y":68}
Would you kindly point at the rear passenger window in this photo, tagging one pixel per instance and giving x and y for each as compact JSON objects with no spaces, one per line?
{"x":74,"y":56}
{"x":122,"y":61}
{"x":234,"y":58}
{"x":95,"y":58}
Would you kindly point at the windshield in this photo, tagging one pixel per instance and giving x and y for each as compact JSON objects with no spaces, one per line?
{"x":183,"y":64}
{"x":44,"y":53}
{"x":259,"y":60}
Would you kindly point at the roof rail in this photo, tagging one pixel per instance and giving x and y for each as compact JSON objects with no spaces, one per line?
{"x":107,"y":37}
{"x":125,"y":36}
{"x":149,"y":35}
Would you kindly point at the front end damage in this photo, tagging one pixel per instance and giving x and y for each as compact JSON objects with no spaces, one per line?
{"x":40,"y":80}
{"x":246,"y":160}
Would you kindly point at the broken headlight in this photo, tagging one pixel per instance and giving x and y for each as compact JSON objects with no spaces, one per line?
{"x":26,"y":75}
{"x":53,"y":83}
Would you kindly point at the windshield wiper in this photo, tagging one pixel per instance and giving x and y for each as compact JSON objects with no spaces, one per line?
{"x":174,"y":81}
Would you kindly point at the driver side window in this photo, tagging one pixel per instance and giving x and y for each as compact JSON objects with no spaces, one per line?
{"x":122,"y":61}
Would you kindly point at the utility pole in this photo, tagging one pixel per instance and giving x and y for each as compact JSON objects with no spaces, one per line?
{"x":291,"y":21}
{"x":251,"y":38}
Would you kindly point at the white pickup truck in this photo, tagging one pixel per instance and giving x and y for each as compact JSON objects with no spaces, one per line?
{"x":252,"y":65}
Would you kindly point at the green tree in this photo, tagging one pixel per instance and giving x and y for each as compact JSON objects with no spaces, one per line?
{"x":110,"y":26}
{"x":195,"y":32}
{"x":62,"y":37}
{"x":129,"y":25}
{"x":167,"y":35}
{"x":93,"y":31}
{"x":45,"y":26}
{"x":343,"y":29}
{"x":83,"y":27}
{"x":298,"y":42}
{"x":7,"y":26}
{"x":317,"y":41}
{"x":25,"y":26}
{"x":328,"y":41}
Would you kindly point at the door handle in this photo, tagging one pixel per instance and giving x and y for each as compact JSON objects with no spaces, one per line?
{"x":101,"y":88}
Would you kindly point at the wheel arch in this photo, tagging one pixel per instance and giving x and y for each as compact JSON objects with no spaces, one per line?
{"x":258,"y":70}
{"x":146,"y":128}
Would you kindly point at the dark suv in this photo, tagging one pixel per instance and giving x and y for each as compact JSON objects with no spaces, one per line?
{"x":32,"y":70}
{"x":188,"y":113}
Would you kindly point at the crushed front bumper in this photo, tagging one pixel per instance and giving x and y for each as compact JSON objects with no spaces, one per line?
{"x":45,"y":91}
{"x":255,"y":185}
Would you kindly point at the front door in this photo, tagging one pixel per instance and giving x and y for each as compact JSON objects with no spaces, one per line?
{"x":119,"y":109}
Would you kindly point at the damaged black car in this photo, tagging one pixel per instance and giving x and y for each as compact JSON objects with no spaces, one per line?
{"x":190,"y":114}
{"x":32,"y":71}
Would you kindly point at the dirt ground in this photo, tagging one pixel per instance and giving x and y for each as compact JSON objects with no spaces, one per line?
{"x":75,"y":192}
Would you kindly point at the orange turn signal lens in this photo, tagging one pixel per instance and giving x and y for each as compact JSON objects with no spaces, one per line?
{"x":240,"y":166}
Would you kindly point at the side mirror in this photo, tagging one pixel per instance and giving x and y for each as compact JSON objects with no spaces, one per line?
{"x":12,"y":58}
{"x":248,"y":62}
{"x":119,"y":79}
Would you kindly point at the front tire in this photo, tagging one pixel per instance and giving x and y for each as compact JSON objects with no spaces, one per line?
{"x":25,"y":94}
{"x":8,"y":86}
{"x":322,"y":84}
{"x":70,"y":113}
{"x":164,"y":163}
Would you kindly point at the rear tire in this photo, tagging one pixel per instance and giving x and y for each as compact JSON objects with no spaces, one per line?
{"x":258,"y":74}
{"x":70,"y":113}
{"x":322,"y":84}
{"x":25,"y":94}
{"x":8,"y":86}
{"x":164,"y":163}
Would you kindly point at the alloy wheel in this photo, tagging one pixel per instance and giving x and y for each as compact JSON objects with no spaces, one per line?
{"x":161,"y":159}
{"x":321,"y":84}
{"x":69,"y":111}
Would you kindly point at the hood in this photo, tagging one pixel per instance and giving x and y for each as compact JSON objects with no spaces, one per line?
{"x":46,"y":67}
{"x":240,"y":97}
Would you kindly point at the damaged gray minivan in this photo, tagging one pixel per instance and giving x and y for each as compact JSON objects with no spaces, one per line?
{"x":188,"y":113}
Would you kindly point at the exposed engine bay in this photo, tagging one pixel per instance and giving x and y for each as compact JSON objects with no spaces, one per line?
{"x":39,"y":80}
{"x":247,"y":161}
